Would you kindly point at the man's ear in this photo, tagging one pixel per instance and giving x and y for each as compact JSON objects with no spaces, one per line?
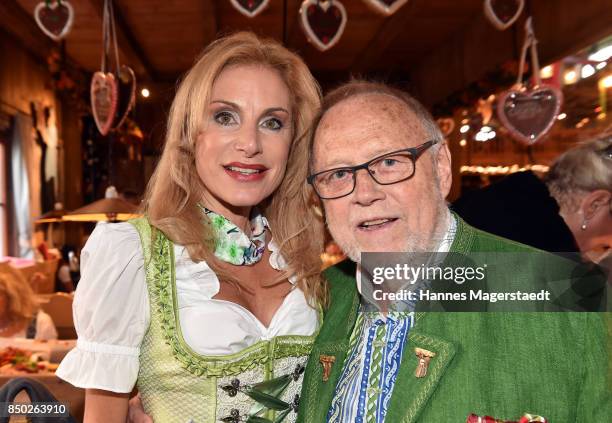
{"x":445,"y":173}
{"x":593,"y":201}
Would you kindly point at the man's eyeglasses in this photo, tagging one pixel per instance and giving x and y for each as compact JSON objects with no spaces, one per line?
{"x":388,"y":169}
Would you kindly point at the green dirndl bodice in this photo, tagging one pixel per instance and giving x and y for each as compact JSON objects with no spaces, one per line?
{"x":260,"y":384}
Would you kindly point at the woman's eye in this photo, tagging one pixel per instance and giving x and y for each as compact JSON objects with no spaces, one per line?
{"x":273,"y":124}
{"x":224,"y":118}
{"x":389,"y":162}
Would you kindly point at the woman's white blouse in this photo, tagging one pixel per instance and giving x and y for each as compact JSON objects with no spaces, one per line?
{"x":111,"y":311}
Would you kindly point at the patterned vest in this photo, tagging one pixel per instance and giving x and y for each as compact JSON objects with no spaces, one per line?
{"x":260,"y":384}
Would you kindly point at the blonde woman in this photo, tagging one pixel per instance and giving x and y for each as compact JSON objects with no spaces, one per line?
{"x":209,"y":305}
{"x":20,"y":314}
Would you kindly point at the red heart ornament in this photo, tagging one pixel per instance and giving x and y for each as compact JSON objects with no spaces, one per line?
{"x":386,"y":7}
{"x":323,"y":22}
{"x":250,"y":8}
{"x":126,"y":90}
{"x":503,"y":13}
{"x":54,"y":20}
{"x":103,"y":93}
{"x":529,"y":114}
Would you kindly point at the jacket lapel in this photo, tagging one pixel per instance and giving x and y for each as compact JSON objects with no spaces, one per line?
{"x":410,"y":393}
{"x":331,"y":345}
{"x":317,"y":394}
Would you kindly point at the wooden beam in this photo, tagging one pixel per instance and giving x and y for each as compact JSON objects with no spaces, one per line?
{"x":464,"y":58}
{"x":562,"y":27}
{"x":127,"y":42}
{"x":391,"y":28}
{"x":21,"y":26}
{"x":216,"y":14}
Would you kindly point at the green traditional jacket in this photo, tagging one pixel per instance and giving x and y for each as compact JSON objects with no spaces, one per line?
{"x":500,"y":364}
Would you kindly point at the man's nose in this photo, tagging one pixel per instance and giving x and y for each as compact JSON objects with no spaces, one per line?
{"x":367,"y":191}
{"x":248,"y":141}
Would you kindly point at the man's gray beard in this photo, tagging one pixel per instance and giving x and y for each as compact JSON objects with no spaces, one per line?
{"x":414,"y":243}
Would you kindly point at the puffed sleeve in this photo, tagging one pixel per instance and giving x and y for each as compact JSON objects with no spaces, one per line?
{"x":111,"y":311}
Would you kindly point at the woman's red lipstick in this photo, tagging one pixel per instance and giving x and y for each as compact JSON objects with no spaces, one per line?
{"x":245,"y":172}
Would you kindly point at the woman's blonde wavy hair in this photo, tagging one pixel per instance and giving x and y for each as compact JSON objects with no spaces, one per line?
{"x":175,"y":188}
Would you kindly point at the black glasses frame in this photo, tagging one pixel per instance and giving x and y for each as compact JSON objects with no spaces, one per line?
{"x":415,"y":153}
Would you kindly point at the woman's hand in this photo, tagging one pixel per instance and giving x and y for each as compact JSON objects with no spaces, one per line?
{"x":136,"y":413}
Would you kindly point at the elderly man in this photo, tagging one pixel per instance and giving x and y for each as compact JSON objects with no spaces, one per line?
{"x":381,"y":169}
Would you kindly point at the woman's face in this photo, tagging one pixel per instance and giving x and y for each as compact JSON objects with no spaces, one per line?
{"x":241,"y":153}
{"x":595,"y":239}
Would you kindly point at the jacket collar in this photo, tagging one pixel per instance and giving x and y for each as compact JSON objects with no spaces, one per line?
{"x":410,"y":393}
{"x":332,"y":343}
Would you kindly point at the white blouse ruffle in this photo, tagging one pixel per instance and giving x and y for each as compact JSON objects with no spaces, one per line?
{"x":111,"y":311}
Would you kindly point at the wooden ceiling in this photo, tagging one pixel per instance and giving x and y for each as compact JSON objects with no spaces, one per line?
{"x":434,"y":47}
{"x":161,"y":38}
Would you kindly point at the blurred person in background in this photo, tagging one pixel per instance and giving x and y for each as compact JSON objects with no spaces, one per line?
{"x":569,"y":210}
{"x":65,"y":271}
{"x":20,"y":314}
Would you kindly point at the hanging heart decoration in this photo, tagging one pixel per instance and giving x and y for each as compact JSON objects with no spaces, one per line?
{"x":529,"y":114}
{"x":386,"y":7}
{"x":250,"y":8}
{"x":103,"y":93}
{"x":126,"y":89}
{"x":447,"y":125}
{"x":323,"y":22}
{"x":503,"y":13}
{"x":54,"y":18}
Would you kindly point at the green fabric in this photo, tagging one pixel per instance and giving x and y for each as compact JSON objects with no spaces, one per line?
{"x":232,"y":245}
{"x":373,"y":392}
{"x":176,"y":383}
{"x":500,"y":364}
{"x":169,"y":392}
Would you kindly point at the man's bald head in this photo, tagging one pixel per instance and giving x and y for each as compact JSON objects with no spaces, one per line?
{"x":358,"y":88}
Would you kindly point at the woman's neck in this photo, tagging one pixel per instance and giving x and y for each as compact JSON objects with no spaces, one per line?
{"x":239,"y":216}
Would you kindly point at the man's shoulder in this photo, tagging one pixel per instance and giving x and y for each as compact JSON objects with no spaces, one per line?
{"x":341,"y":276}
{"x":481,"y":241}
{"x":472,"y":240}
{"x":342,"y":286}
{"x":574,"y":284}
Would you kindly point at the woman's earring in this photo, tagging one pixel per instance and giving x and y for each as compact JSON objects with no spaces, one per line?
{"x":584,"y":225}
{"x":317,"y":210}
